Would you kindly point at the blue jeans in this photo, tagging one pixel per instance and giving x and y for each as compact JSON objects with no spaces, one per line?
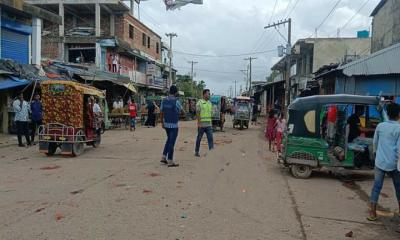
{"x":172,"y":135}
{"x":210,"y":140}
{"x":133,"y":122}
{"x":379,"y":178}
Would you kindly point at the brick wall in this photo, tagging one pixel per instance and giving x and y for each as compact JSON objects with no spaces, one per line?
{"x":50,"y":49}
{"x":89,"y":21}
{"x":122,"y":23}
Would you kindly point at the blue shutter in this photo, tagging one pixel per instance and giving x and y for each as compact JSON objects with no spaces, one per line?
{"x":15,"y":45}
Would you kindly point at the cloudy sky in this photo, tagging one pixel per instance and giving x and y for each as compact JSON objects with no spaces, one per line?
{"x":235,"y":27}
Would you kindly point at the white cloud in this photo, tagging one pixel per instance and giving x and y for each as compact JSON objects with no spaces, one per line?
{"x":222,"y":27}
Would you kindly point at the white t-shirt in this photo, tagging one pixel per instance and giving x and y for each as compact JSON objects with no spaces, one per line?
{"x":118,"y":104}
{"x":96,"y":108}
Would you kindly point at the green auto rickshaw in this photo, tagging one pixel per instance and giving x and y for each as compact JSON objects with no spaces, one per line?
{"x":321,"y":133}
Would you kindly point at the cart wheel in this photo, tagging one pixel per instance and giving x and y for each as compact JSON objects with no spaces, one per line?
{"x":78,"y":147}
{"x":97,"y":140}
{"x":52,"y":149}
{"x":301,"y":171}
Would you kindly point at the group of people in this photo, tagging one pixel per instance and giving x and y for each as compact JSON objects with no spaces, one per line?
{"x":275,"y":128}
{"x":23,"y":110}
{"x":170,"y":110}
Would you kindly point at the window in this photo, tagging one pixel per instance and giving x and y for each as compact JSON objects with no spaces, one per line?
{"x":144,"y":39}
{"x":158,"y":48}
{"x":148,"y":42}
{"x":131,"y":30}
{"x":309,"y":120}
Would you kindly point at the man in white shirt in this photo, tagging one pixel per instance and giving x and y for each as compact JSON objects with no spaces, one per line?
{"x":118,"y":104}
{"x":21,"y":109}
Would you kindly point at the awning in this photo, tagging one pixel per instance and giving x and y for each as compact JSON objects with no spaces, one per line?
{"x":12,"y":82}
{"x":130,"y":87}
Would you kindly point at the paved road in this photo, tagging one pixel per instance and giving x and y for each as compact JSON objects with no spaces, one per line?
{"x":237,"y":191}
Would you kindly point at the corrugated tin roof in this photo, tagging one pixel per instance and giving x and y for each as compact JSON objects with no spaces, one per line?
{"x":382,"y":62}
{"x":378,"y":7}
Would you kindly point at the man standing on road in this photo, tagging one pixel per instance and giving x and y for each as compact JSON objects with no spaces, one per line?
{"x":387,"y":149}
{"x":37,"y":112}
{"x":21,"y":109}
{"x":204,"y":122}
{"x":169,"y":113}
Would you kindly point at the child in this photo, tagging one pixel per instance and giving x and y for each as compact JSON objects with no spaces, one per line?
{"x":270,"y":131}
{"x":280,"y":129}
{"x":133,"y":114}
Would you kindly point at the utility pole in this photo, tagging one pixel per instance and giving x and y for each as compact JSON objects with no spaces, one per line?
{"x":192,"y":74}
{"x":235,"y":95}
{"x":288,"y":57}
{"x":170,"y":35}
{"x":250,"y":59}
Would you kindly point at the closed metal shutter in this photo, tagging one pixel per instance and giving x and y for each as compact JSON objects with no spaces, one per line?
{"x":15,"y":45}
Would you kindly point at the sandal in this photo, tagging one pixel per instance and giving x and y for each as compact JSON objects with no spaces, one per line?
{"x":372,"y":218}
{"x":173,"y":165}
{"x":163,"y":160}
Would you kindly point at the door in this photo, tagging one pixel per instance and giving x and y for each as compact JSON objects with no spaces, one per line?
{"x":15,"y":45}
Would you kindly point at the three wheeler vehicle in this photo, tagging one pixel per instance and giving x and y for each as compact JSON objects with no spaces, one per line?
{"x":242,"y":108}
{"x":320,"y":133}
{"x":68,"y":118}
{"x":218,"y":111}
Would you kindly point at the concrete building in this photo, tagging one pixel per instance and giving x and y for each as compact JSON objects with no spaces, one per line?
{"x":104,"y":34}
{"x":385,"y":24}
{"x":309,"y":55}
{"x":21,"y":31}
{"x":20,"y":41}
{"x":376,"y":74}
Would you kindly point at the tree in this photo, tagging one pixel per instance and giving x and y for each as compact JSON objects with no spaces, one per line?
{"x":189,"y":87}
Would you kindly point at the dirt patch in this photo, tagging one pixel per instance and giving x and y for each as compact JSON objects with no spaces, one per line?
{"x":77,"y":191}
{"x":52,"y":167}
{"x":222,"y":141}
{"x":147,"y":192}
{"x":153,"y":174}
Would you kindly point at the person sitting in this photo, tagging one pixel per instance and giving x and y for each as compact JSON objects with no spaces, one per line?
{"x":354,"y":123}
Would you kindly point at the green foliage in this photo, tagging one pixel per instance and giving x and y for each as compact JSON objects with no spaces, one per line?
{"x":189,"y":87}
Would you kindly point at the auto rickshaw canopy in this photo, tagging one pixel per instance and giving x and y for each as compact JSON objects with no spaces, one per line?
{"x":304,"y":113}
{"x":84,"y":89}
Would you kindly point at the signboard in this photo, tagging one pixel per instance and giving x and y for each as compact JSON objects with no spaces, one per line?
{"x":151,"y":69}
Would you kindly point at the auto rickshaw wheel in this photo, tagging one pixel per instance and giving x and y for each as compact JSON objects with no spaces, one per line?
{"x":241,"y":125}
{"x":51,"y":149}
{"x":300,"y":171}
{"x":78,"y":147}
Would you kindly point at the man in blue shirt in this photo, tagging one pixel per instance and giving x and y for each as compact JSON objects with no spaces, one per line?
{"x":170,"y":109}
{"x":387,"y":150}
{"x":37,"y":114}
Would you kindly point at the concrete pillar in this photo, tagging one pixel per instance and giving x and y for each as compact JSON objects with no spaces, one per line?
{"x":132,"y":7}
{"x":112,"y":24}
{"x":61,"y":32}
{"x":97,"y":20}
{"x":74,"y":21}
{"x":36,"y":40}
{"x":98,"y":55}
{"x":61,"y":13}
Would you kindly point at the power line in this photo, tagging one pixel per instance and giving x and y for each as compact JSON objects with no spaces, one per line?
{"x":273,"y":12}
{"x":222,"y":56}
{"x":327,"y":16}
{"x":351,"y":19}
{"x":291,"y":10}
{"x":287,"y":7}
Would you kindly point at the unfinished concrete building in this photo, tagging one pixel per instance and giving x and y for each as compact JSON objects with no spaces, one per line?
{"x":104,"y":34}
